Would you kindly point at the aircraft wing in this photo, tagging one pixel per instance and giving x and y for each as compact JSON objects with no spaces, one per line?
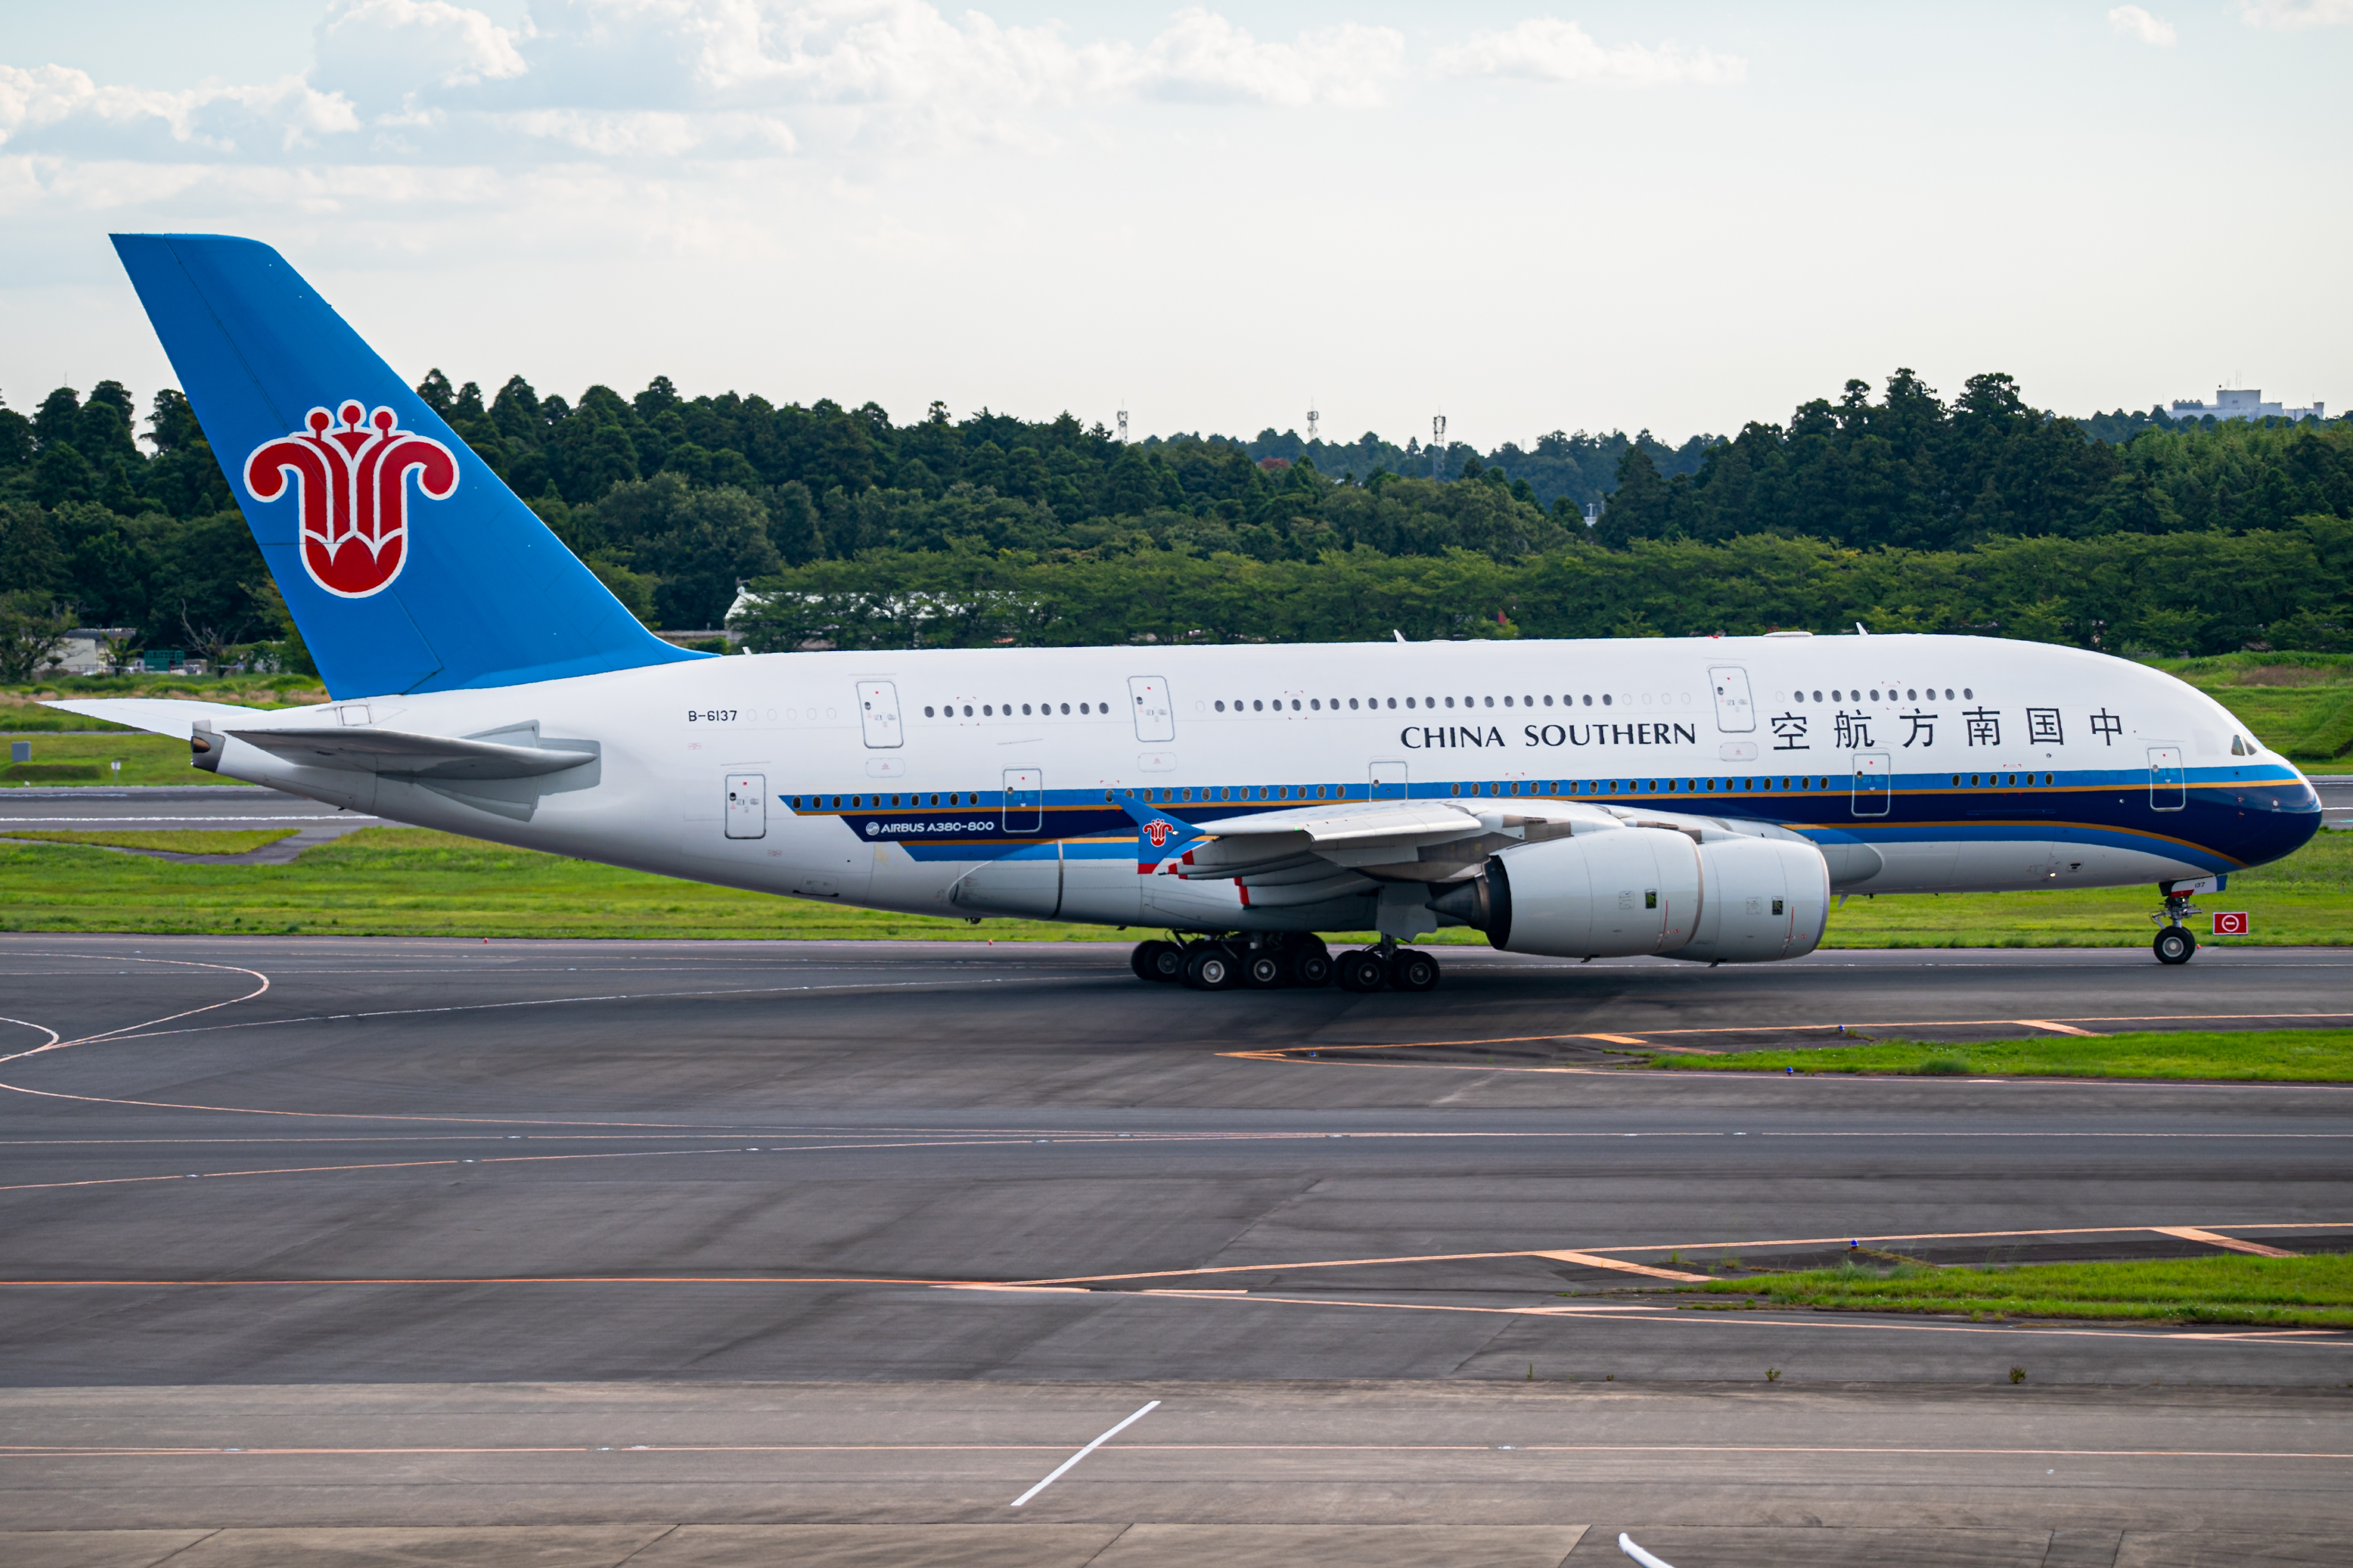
{"x":1313,"y":851}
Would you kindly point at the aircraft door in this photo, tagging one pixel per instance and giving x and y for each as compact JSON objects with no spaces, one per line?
{"x":1734,"y":713}
{"x":1875,"y":783}
{"x":1025,"y":800}
{"x":878,"y":713}
{"x":1155,"y":715}
{"x":747,"y":806}
{"x":2165,"y":787}
{"x":1388,"y":781}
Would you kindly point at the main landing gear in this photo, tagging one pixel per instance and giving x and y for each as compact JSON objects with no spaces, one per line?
{"x":2174,"y":943}
{"x":1266,"y":961}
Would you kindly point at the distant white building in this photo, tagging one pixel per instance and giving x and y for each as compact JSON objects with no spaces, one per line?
{"x":2244,"y":403}
{"x":85,"y":648}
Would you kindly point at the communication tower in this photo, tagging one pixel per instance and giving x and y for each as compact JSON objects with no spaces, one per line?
{"x":1438,"y":447}
{"x":1312,"y":417}
{"x":1122,"y":427}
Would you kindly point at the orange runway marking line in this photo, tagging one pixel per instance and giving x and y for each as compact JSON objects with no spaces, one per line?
{"x":2191,"y":1233}
{"x":1600,"y":1258}
{"x":2054,"y":1028}
{"x":1907,"y":1452}
{"x":1288,"y":1052}
{"x":496,"y":1280}
{"x":1594,"y":1260}
{"x":1769,"y":1317}
{"x":1984,"y":1235}
{"x":490,"y":1160}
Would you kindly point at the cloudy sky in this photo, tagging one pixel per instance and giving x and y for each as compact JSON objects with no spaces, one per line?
{"x":1670,"y":215}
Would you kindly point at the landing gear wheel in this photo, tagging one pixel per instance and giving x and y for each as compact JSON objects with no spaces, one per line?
{"x":1362,"y":970}
{"x":2174,"y":945}
{"x":1212,"y":967}
{"x":1263,"y":970}
{"x":1310,"y":965}
{"x":1411,"y":969}
{"x":1157,"y":960}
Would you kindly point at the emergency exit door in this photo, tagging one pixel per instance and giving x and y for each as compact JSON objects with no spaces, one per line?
{"x":2167,"y":791}
{"x":1025,"y":799}
{"x":1874,"y":782}
{"x":1388,"y":781}
{"x":878,"y":713}
{"x":1735,"y":714}
{"x":1155,"y":715}
{"x":747,"y":806}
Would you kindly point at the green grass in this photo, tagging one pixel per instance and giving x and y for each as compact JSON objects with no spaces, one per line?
{"x":2275,"y":1056}
{"x":2305,"y":900}
{"x":179,"y":841}
{"x":2299,"y":704}
{"x":21,"y":713}
{"x":410,"y":881}
{"x":2232,"y":1288}
{"x":413,"y":882}
{"x":84,"y":758}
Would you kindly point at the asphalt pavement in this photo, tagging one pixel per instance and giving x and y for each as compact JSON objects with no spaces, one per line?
{"x":183,"y":807}
{"x":656,"y":1242}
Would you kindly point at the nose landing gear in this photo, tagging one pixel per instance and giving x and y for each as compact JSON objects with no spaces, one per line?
{"x":2174,"y":943}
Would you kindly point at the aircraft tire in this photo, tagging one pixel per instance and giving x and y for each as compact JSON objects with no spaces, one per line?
{"x":1265,"y":971}
{"x":1412,"y":970}
{"x":2174,"y":945}
{"x":1310,"y":965}
{"x":1157,"y":960}
{"x":1361,"y":971}
{"x":1212,"y":966}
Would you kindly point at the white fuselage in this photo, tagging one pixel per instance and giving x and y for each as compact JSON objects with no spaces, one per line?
{"x":887,"y":779}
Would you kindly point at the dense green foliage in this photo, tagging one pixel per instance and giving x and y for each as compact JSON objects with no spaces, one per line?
{"x":2122,"y":591}
{"x":1914,"y":473}
{"x":1907,"y":513}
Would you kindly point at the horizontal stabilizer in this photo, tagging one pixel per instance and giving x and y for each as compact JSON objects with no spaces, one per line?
{"x":416,"y":756}
{"x":158,"y":715}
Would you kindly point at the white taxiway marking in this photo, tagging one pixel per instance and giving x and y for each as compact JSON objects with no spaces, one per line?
{"x":1626,"y":1545}
{"x":1056,"y":1473}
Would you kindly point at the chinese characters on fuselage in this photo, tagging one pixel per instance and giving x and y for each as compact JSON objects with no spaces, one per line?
{"x":1979,"y":726}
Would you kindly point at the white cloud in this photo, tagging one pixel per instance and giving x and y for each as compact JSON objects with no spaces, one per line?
{"x":55,"y":109}
{"x":1202,"y":56}
{"x":1544,"y":48}
{"x":2132,"y":22}
{"x":2296,"y":13}
{"x":427,"y":81}
{"x":381,"y":53}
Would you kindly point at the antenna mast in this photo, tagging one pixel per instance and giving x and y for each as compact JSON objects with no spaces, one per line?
{"x":1122,"y":427}
{"x":1312,"y":417}
{"x":1438,"y":447}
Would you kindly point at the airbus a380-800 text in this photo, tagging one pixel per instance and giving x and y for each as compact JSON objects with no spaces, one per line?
{"x":1701,"y":798}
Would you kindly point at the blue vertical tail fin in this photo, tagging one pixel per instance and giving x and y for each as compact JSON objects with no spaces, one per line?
{"x":406,"y":563}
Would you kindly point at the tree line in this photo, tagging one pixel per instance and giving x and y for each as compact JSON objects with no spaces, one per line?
{"x":2161,"y":594}
{"x":673,"y":501}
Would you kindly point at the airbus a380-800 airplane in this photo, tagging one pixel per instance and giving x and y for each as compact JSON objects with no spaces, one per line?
{"x":1701,"y":798}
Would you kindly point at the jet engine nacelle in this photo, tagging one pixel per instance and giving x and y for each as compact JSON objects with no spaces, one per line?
{"x":1649,"y":890}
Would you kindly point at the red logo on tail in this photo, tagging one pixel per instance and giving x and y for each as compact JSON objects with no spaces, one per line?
{"x":1158,"y":832}
{"x":352,"y":488}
